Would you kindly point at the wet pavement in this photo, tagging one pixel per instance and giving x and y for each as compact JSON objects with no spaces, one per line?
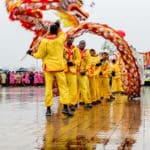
{"x":107,"y":126}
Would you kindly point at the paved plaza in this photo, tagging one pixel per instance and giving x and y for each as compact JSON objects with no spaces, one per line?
{"x":107,"y":126}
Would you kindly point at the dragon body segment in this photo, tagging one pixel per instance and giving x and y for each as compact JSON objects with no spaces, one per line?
{"x":30,"y":15}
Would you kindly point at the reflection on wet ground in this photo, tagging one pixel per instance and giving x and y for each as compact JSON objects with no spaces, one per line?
{"x":107,"y":126}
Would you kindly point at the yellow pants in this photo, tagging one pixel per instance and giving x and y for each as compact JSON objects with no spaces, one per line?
{"x":92,"y":84}
{"x":62,"y":86}
{"x":97,"y":87}
{"x":104,"y":87}
{"x":72,"y":86}
{"x":84,"y":92}
{"x":116,"y":85}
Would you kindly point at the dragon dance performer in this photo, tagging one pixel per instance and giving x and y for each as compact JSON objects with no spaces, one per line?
{"x":116,"y":77}
{"x":72,"y":61}
{"x":94,"y":77}
{"x":51,"y":51}
{"x":83,"y":81}
{"x":104,"y":78}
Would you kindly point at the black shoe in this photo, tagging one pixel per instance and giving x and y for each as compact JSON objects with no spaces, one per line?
{"x":70,"y":113}
{"x":88,"y":106}
{"x":76,"y":105}
{"x":66,"y":110}
{"x":112,"y":97}
{"x":72,"y":107}
{"x":101,"y":98}
{"x":122,"y":92}
{"x":94,"y":103}
{"x":48,"y":111}
{"x":98,"y":101}
{"x":109,"y":100}
{"x":81,"y":103}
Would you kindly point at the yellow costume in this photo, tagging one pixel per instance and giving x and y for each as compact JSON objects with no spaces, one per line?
{"x":104,"y":80}
{"x":72,"y":54}
{"x":93,"y":80}
{"x":83,"y":80}
{"x":116,"y":78}
{"x":51,"y":52}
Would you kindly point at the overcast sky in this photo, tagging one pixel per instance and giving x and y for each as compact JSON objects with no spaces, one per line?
{"x":132,"y":16}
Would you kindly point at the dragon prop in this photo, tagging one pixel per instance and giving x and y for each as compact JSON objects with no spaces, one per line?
{"x":132,"y":82}
{"x":29,"y":13}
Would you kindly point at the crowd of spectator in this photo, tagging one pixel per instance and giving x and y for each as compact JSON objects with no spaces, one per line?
{"x":27,"y":78}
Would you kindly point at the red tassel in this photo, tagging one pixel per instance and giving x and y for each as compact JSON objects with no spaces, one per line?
{"x":27,"y":1}
{"x":121,"y":33}
{"x":44,"y":1}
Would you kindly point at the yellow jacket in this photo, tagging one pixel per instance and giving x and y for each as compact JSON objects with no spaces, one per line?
{"x":93,"y":69}
{"x":72,"y":54}
{"x":85,"y":63}
{"x":116,"y":69}
{"x":105,"y":68}
{"x":51,"y":52}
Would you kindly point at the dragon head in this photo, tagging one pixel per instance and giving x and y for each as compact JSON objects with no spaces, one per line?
{"x":71,"y":13}
{"x":30,"y":13}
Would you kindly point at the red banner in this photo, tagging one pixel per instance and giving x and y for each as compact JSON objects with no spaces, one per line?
{"x":146,"y":58}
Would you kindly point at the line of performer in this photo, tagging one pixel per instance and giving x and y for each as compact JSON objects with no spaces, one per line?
{"x":82,"y":75}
